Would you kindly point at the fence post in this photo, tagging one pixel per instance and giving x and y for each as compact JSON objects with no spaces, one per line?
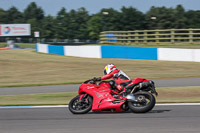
{"x":172,"y":36}
{"x":129,"y":38}
{"x":190,"y":36}
{"x":145,"y":37}
{"x":157,"y":37}
{"x":136,"y":37}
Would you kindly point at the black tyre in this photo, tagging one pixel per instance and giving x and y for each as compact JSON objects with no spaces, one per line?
{"x":77,"y":107}
{"x":146,"y":102}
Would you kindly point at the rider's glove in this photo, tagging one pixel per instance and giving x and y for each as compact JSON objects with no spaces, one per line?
{"x":96,"y":79}
{"x":120,"y":88}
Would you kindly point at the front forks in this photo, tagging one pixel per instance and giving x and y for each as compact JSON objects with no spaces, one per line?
{"x":82,"y":97}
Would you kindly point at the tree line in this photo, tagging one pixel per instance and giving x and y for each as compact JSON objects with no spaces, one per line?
{"x":79,"y":24}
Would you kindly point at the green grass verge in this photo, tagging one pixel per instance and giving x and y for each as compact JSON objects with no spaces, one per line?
{"x":42,"y":84}
{"x":37,"y":99}
{"x":186,"y":46}
{"x":166,"y":95}
{"x":180,"y":45}
{"x":21,"y":45}
{"x":179,"y":94}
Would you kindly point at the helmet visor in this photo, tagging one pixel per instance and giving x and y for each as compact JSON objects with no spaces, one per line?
{"x":105,"y":72}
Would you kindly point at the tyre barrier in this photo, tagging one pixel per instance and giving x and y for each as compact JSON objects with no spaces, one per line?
{"x":123,"y":52}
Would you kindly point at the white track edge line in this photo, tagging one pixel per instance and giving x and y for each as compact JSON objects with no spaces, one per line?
{"x":176,"y":104}
{"x":66,"y":106}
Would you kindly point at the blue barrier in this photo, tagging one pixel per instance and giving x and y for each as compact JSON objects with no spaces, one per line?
{"x":123,"y":52}
{"x":53,"y":49}
{"x":36,"y":48}
{"x":129,"y":52}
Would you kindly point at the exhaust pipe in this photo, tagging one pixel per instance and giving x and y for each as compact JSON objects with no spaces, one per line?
{"x":131,"y":98}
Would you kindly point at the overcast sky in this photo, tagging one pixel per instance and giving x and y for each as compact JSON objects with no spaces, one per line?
{"x":94,"y":6}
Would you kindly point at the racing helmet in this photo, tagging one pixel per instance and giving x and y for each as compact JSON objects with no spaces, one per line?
{"x":109,"y":68}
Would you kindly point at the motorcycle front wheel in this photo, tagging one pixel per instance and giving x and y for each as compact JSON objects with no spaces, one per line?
{"x":145,"y":102}
{"x":83,"y":107}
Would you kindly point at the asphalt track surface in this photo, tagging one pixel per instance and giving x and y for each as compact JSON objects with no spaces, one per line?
{"x":74,"y":88}
{"x":162,"y":119}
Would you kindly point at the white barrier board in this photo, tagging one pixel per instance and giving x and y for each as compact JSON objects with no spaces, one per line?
{"x":83,"y":51}
{"x":43,"y":48}
{"x":172,"y":54}
{"x":197,"y":55}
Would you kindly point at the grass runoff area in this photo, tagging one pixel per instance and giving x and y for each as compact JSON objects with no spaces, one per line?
{"x":25,"y":67}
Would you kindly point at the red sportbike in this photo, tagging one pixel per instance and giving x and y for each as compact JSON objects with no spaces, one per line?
{"x":101,"y":97}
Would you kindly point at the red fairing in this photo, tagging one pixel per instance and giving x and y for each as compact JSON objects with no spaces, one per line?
{"x":104,"y":83}
{"x":110,"y":75}
{"x":121,"y":81}
{"x":103,"y":100}
{"x":138,"y":80}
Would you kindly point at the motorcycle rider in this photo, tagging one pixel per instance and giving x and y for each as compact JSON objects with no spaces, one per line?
{"x":120,"y":79}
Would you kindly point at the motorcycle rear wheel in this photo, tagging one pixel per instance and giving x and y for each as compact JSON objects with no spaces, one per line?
{"x":146,"y":104}
{"x":80,"y":108}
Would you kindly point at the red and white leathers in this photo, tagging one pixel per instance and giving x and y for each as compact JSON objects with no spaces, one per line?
{"x":118,"y":76}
